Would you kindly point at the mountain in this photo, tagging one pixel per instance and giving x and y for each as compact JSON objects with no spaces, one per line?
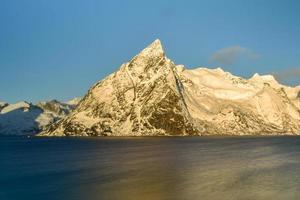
{"x":151,"y":96}
{"x":24,"y":118}
{"x":54,"y":106}
{"x":2,"y":105}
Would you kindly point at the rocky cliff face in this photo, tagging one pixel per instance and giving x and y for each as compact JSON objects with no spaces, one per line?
{"x":150,"y":95}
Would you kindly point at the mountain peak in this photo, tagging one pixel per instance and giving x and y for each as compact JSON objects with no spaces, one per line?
{"x":154,"y":49}
{"x":156,"y":44}
{"x":265,"y":78}
{"x":147,"y":58}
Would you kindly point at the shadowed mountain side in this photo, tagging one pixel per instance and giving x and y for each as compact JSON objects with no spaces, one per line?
{"x":24,"y":118}
{"x":20,"y":121}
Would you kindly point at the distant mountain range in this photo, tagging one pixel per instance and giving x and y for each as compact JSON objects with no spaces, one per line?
{"x":152,"y":96}
{"x":25,"y":118}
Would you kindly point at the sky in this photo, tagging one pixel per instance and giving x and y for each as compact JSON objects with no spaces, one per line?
{"x":54,"y":49}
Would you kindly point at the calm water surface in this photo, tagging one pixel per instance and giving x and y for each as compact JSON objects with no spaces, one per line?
{"x":150,"y":168}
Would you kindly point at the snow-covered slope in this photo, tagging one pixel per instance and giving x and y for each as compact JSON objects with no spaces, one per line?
{"x":74,"y":102}
{"x":24,"y":118}
{"x":150,"y":95}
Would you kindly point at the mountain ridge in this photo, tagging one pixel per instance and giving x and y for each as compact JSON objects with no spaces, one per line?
{"x":24,"y":118}
{"x":150,"y":95}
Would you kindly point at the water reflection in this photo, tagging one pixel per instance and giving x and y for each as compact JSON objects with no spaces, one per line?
{"x":151,"y":168}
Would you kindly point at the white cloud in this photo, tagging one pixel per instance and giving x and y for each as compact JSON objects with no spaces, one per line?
{"x":229,"y":55}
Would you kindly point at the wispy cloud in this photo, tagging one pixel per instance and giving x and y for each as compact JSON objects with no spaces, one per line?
{"x":229,"y":55}
{"x":287,"y":74}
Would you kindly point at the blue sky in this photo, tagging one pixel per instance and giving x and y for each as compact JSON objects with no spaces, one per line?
{"x":58,"y":49}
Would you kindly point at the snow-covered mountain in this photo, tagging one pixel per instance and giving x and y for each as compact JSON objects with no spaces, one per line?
{"x":150,"y":95}
{"x":24,"y":118}
{"x":2,"y":105}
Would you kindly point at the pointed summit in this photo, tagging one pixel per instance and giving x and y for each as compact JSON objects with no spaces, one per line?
{"x":147,"y":58}
{"x":155,"y":49}
{"x":156,"y":44}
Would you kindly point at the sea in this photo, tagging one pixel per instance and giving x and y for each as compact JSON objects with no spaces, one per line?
{"x":154,"y":168}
